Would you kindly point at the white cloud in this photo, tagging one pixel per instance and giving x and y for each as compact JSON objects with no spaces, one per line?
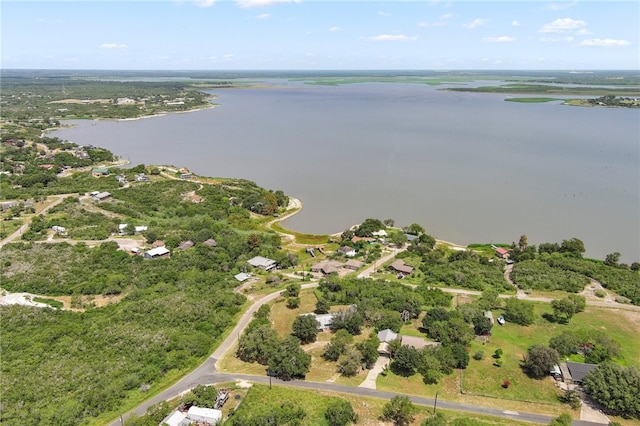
{"x":264,"y":16}
{"x":383,"y":14}
{"x":447,"y":16}
{"x":228,"y":57}
{"x":475,"y":23}
{"x":391,"y":37}
{"x":606,"y":42}
{"x":262,"y":3}
{"x":501,"y":39}
{"x":335,"y":29}
{"x":562,"y":25}
{"x":113,"y":46}
{"x":583,"y":31}
{"x":555,"y":39}
{"x":204,"y":3}
{"x":563,"y":6}
{"x":515,"y":23}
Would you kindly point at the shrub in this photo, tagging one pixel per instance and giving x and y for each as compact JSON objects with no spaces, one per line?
{"x":506,"y":384}
{"x":478,"y":356}
{"x":293,"y":302}
{"x":601,"y":294}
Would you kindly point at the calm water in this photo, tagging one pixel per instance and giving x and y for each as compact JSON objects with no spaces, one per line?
{"x":468,"y":167}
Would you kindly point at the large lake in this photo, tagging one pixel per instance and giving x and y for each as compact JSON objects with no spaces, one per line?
{"x":468,"y":167}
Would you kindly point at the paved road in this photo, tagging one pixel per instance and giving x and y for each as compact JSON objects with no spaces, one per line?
{"x":57,"y":200}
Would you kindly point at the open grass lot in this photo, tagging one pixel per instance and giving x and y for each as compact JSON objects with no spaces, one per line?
{"x":300,"y":237}
{"x":315,"y":404}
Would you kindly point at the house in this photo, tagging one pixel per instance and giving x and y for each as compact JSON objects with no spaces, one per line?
{"x":353,"y":264}
{"x":210,"y":242}
{"x":8,"y":205}
{"x":185,"y":175}
{"x":381,"y":233}
{"x":576,"y":371}
{"x":99,"y":172}
{"x":121,"y":179}
{"x":141,"y":228}
{"x":347,"y":251}
{"x":157,"y":252}
{"x":101,"y":196}
{"x":401,"y":268}
{"x":416,"y":342}
{"x":196,"y":199}
{"x":262,"y":263}
{"x":194,"y":416}
{"x":326,"y":267}
{"x":122,"y":228}
{"x":324,"y":320}
{"x":502,"y":253}
{"x":206,"y":415}
{"x":242,"y":276}
{"x":186,"y":245}
{"x":387,"y":335}
{"x":141,"y":177}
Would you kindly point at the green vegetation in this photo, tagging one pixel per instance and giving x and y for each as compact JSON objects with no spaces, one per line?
{"x":534,"y":100}
{"x":53,"y":303}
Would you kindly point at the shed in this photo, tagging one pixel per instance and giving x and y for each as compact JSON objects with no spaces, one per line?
{"x":208,"y":415}
{"x":210,"y":242}
{"x":157,"y":252}
{"x":186,"y":245}
{"x":242,"y":276}
{"x":262,"y":263}
{"x":101,"y":196}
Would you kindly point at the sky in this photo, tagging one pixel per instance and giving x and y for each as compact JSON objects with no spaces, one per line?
{"x":320,"y":35}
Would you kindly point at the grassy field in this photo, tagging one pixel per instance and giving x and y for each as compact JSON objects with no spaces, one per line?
{"x":315,"y":404}
{"x":300,"y":237}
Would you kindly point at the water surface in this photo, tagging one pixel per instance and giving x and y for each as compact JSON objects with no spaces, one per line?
{"x":469,"y":167}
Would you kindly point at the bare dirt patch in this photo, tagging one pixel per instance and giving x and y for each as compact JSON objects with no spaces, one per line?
{"x":97,"y":301}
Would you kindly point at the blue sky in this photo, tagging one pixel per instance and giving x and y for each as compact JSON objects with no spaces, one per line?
{"x":318,"y":34}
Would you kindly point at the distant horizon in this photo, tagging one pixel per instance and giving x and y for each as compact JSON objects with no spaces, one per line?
{"x":353,"y":70}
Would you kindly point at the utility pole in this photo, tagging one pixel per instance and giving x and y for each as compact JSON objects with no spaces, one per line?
{"x":435,"y":403}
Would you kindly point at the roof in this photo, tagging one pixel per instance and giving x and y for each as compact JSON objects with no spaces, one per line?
{"x":387,"y":335}
{"x":325,"y":320}
{"x":402,"y":267}
{"x":158,"y":251}
{"x":158,"y":243}
{"x":502,"y":251}
{"x":326,"y":266}
{"x":353,"y":264}
{"x":211,"y":242}
{"x":579,"y":370}
{"x":242,"y":276}
{"x":262,"y":262}
{"x":174,"y":419}
{"x":209,"y":415}
{"x":102,"y":195}
{"x":380,"y":233}
{"x":186,"y":244}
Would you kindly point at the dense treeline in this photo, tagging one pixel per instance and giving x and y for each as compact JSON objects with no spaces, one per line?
{"x":539,"y":275}
{"x":61,"y":367}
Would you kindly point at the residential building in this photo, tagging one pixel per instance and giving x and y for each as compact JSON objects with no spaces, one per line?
{"x":401,"y":268}
{"x":157,"y":252}
{"x":262,"y":263}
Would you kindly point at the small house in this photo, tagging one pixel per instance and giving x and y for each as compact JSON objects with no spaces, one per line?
{"x":324,"y":321}
{"x":186,"y":245}
{"x":502,"y":253}
{"x":59,"y":229}
{"x":576,"y":371}
{"x":353,"y":264}
{"x":347,"y":251}
{"x":242,"y":276}
{"x":101,"y":196}
{"x":158,"y":252}
{"x":401,"y":268}
{"x":262,"y":263}
{"x":100,"y":171}
{"x":195,"y":199}
{"x":326,"y":267}
{"x":210,"y":242}
{"x":204,"y":415}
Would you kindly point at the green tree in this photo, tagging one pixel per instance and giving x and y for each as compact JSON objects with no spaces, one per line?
{"x":340,"y":413}
{"x":369,"y":350}
{"x":563,"y":419}
{"x":290,"y":361}
{"x":572,"y":246}
{"x":258,"y":344}
{"x":519,"y":311}
{"x":612,"y":259}
{"x":482,"y":325}
{"x":350,"y":362}
{"x":337,"y":345}
{"x":305,"y":328}
{"x":400,"y":410}
{"x":293,"y":302}
{"x":616,"y":387}
{"x":322,"y":306}
{"x":201,"y":396}
{"x":539,"y":361}
{"x":414,"y":229}
{"x":405,"y":361}
{"x":292,"y":290}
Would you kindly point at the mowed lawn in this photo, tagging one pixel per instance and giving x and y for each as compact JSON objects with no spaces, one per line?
{"x":484,"y":378}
